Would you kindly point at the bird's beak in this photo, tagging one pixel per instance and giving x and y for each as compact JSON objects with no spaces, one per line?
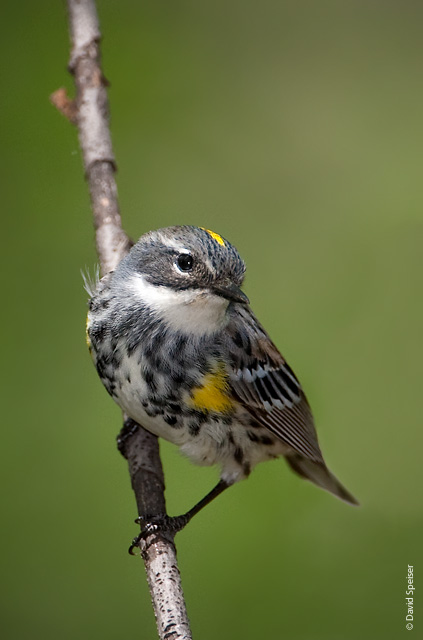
{"x":231,"y":292}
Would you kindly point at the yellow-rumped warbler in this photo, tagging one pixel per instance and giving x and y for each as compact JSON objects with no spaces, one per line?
{"x":178,"y":348}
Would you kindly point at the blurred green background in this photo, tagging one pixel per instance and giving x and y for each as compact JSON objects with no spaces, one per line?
{"x":295,"y":130}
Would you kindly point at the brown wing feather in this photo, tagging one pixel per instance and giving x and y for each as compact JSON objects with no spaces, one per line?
{"x":264,"y":383}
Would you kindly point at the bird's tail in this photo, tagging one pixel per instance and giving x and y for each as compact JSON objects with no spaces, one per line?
{"x":318,"y":473}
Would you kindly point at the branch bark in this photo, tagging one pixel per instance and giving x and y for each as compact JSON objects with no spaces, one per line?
{"x":89,"y":111}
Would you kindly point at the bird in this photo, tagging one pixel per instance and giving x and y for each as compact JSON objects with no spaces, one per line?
{"x":178,"y":348}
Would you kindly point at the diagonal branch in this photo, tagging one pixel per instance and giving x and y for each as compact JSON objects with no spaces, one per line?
{"x":89,"y":111}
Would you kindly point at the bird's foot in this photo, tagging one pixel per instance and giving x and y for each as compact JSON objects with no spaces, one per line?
{"x":164,"y":524}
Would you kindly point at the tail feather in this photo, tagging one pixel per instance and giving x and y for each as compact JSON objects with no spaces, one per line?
{"x":318,"y":473}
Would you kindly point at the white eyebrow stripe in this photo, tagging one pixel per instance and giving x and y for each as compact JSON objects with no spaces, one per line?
{"x":173,"y":244}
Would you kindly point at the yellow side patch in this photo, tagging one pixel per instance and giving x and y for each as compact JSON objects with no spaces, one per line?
{"x":87,"y":337}
{"x":213,"y":393}
{"x":215,"y":236}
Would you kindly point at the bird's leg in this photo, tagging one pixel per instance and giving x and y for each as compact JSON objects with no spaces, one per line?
{"x":173,"y":524}
{"x":186,"y":517}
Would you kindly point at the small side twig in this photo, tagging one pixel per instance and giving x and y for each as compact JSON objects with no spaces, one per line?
{"x":64,"y":104}
{"x":89,"y":111}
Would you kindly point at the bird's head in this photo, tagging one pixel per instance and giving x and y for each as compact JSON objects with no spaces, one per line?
{"x":187,"y":275}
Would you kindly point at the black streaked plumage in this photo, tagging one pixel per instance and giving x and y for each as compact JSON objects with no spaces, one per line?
{"x":176,"y":344}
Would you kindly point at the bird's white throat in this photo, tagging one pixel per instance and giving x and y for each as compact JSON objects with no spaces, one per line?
{"x":192,"y":311}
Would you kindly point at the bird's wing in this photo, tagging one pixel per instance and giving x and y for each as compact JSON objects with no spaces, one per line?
{"x":266,"y":386}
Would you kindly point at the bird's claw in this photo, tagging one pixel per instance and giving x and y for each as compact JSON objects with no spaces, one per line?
{"x":163,"y":524}
{"x":135,"y":543}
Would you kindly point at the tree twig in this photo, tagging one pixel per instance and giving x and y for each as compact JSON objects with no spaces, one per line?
{"x":89,"y":111}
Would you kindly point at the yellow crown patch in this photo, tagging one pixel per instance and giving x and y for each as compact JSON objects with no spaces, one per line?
{"x":215,"y":236}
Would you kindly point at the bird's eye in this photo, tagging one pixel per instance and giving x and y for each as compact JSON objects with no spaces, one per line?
{"x":185,"y":261}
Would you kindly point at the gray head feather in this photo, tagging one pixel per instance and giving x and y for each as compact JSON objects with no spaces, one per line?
{"x":155,"y":256}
